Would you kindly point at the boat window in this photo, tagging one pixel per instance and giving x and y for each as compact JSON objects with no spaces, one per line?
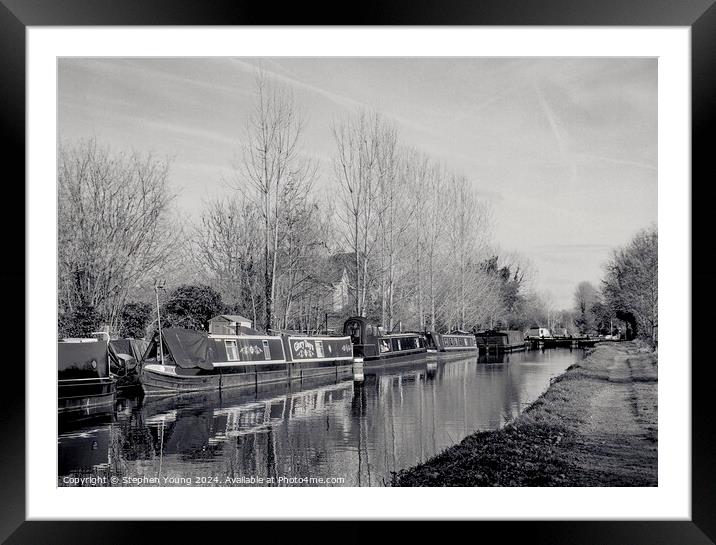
{"x":267,"y":350}
{"x":232,"y":351}
{"x":319,"y":349}
{"x":354,"y":328}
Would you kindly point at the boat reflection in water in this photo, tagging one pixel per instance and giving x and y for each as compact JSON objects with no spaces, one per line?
{"x":345,"y":433}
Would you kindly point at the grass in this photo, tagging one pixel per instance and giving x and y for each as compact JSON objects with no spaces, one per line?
{"x":596,"y":425}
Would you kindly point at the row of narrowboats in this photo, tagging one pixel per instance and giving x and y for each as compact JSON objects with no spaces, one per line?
{"x":184,"y":360}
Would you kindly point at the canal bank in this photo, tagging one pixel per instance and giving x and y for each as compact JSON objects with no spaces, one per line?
{"x":596,"y":425}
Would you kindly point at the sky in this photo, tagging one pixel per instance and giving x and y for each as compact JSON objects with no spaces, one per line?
{"x":564,"y":150}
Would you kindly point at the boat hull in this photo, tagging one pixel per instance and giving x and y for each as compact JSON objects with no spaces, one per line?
{"x":491,"y":341}
{"x":85,"y":397}
{"x":394,"y":358}
{"x":434,"y":357}
{"x":162,"y":379}
{"x":504,"y":347}
{"x":556,"y":342}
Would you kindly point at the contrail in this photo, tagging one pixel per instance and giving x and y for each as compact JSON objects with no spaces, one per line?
{"x":559,"y":133}
{"x":618,"y":161}
{"x":341,"y":100}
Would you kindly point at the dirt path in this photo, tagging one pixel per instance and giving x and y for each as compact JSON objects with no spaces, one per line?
{"x":595,"y":426}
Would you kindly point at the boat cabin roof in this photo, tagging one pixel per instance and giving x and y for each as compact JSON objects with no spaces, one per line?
{"x":237,"y":318}
{"x":396,"y":335}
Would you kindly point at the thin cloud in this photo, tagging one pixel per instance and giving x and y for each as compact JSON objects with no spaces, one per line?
{"x":617,"y":161}
{"x":341,"y":100}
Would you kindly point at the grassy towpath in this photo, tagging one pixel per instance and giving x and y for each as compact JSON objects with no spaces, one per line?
{"x":596,"y":425}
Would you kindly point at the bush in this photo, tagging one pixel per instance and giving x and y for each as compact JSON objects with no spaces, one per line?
{"x":133,"y":320}
{"x":631,"y":284}
{"x":192,"y":306}
{"x":79,"y":322}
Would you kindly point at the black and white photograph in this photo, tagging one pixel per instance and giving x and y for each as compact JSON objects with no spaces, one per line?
{"x":357,"y":272}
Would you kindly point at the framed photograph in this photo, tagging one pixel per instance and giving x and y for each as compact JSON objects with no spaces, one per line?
{"x":408,"y":267}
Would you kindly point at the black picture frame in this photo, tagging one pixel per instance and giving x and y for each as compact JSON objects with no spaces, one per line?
{"x":16,"y":15}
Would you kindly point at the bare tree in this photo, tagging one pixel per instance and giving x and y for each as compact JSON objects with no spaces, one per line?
{"x":433,"y":222}
{"x":227,"y":251}
{"x":276,"y":172}
{"x":416,"y":233}
{"x":417,"y":171}
{"x":467,"y":234}
{"x":114,"y":230}
{"x":303,"y":252}
{"x":552,"y":314}
{"x":399,"y":197}
{"x":421,"y":171}
{"x":364,"y":144}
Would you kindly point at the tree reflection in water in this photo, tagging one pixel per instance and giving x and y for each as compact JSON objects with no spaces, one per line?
{"x":360,"y":432}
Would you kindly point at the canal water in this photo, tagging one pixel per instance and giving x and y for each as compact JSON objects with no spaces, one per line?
{"x":312,"y":434}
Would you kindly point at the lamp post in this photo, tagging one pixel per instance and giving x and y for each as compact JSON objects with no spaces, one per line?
{"x":159,"y":285}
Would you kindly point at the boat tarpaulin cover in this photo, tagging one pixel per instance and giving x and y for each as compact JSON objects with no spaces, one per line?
{"x":132,"y":347}
{"x":189,"y":348}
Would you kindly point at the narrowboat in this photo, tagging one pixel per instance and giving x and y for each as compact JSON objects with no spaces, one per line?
{"x":186,"y":360}
{"x":449,"y":342}
{"x":376,"y":347}
{"x":500,"y":341}
{"x":537,"y":333}
{"x":539,"y":337}
{"x":85,"y":385}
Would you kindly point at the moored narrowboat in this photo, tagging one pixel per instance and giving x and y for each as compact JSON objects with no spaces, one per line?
{"x":459,"y":340}
{"x":450,"y":342}
{"x":500,"y":341}
{"x":187,"y":360}
{"x":377,"y":347}
{"x":538,"y":333}
{"x":84,"y":383}
{"x":539,"y":337}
